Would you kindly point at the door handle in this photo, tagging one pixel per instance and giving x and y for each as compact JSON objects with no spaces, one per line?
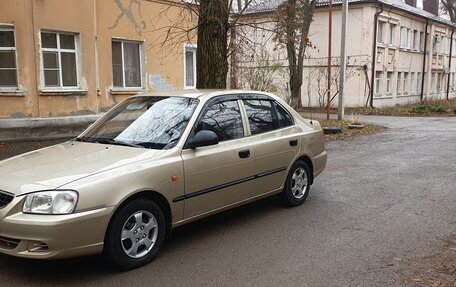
{"x":244,"y":153}
{"x":293,"y":142}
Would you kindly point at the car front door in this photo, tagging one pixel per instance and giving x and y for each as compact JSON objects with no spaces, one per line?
{"x":219,"y":175}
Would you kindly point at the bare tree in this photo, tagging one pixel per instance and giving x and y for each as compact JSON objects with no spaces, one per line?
{"x":449,"y":7}
{"x":293,"y":23}
{"x":319,"y":77}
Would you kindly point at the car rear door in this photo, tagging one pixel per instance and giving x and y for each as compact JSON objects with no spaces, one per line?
{"x":219,"y":175}
{"x":276,"y":143}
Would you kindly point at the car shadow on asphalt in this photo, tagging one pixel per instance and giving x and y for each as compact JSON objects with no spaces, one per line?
{"x":95,"y":267}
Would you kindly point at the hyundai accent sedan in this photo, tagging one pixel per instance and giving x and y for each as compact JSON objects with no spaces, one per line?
{"x":152,"y":163}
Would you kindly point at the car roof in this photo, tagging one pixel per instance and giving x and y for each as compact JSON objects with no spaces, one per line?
{"x":199,"y":94}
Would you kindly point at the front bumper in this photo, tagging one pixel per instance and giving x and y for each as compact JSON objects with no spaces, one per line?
{"x":52,"y":236}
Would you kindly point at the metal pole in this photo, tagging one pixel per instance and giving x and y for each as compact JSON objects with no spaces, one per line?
{"x":329,"y":60}
{"x":343,"y":60}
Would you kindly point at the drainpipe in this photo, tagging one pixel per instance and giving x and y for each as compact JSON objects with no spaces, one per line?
{"x":424,"y":60}
{"x":374,"y":54}
{"x":449,"y":65}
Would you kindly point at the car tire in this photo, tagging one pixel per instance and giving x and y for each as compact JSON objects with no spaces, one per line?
{"x":135,"y":235}
{"x":297,"y":184}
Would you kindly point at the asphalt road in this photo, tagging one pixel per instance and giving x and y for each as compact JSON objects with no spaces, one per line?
{"x":383,"y":213}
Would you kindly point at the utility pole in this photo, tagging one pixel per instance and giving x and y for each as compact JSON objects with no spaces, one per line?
{"x":328,"y":106}
{"x":343,"y":60}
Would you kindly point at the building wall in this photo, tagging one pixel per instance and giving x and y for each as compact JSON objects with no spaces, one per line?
{"x":95,"y":23}
{"x":390,"y":59}
{"x":359,"y":51}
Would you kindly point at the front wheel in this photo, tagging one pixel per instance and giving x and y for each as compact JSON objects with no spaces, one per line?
{"x":297,"y":184}
{"x":135,"y":235}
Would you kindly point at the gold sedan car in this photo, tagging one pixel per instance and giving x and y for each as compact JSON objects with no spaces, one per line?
{"x":150,"y":164}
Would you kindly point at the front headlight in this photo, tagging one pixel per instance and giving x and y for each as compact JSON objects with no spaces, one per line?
{"x":51,"y":202}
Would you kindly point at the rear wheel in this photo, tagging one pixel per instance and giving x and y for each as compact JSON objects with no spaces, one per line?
{"x":135,"y":235}
{"x":297,"y":184}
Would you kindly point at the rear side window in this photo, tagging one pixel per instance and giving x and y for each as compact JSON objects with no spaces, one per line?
{"x":283,"y":116}
{"x":266,"y":115}
{"x":224,"y":119}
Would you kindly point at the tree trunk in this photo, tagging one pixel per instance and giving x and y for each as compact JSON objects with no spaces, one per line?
{"x":299,"y":14}
{"x":211,"y":55}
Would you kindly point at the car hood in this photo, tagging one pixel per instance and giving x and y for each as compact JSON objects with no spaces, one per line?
{"x":54,"y":166}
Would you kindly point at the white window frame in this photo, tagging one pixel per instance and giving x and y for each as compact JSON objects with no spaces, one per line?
{"x":378,"y":81}
{"x":418,"y":81}
{"x":416,"y":41}
{"x":392,"y":34}
{"x":405,"y":83}
{"x":422,"y":35}
{"x":409,"y":38}
{"x":59,"y":50}
{"x":389,"y":76}
{"x":381,"y":32}
{"x":412,"y":82}
{"x":404,"y":36}
{"x":141,"y":65}
{"x":8,"y":49}
{"x":192,"y":48}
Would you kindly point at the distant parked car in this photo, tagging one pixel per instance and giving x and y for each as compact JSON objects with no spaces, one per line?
{"x":150,"y":164}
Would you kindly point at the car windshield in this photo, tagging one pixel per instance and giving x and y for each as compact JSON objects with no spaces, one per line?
{"x":148,"y":122}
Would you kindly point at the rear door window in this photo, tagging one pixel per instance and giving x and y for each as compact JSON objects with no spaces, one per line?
{"x":266,"y":115}
{"x":261,"y":116}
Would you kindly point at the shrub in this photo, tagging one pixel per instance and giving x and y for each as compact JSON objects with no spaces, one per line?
{"x":418,"y":109}
{"x":436,"y":109}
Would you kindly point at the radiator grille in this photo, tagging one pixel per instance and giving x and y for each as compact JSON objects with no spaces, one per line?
{"x":5,"y":198}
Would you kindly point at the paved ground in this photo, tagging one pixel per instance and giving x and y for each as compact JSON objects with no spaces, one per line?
{"x":383,"y":213}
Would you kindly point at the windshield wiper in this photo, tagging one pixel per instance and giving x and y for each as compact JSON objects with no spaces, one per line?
{"x":81,"y":139}
{"x":115,"y":142}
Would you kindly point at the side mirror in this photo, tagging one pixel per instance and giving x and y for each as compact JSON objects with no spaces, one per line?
{"x":204,"y":138}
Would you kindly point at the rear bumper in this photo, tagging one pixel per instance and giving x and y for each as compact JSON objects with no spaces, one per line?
{"x":52,"y":236}
{"x":319,"y":163}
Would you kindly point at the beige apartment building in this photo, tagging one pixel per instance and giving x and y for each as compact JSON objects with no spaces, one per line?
{"x":80,"y":57}
{"x":397,"y":53}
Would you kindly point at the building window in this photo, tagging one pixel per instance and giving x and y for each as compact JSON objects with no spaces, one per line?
{"x":453,"y":86}
{"x":412,"y":82}
{"x":454,"y":47}
{"x":418,"y":82}
{"x":190,"y":67}
{"x":381,"y":28}
{"x":59,"y":60}
{"x":389,"y":75}
{"x":405,"y":83}
{"x":416,"y":40}
{"x":398,"y":84}
{"x":421,"y":41}
{"x":439,"y":82}
{"x":409,"y":39}
{"x":378,"y":77}
{"x":433,"y":81}
{"x":404,"y":37}
{"x":8,"y":72}
{"x":391,"y":34}
{"x":442,"y":44}
{"x":126,"y":64}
